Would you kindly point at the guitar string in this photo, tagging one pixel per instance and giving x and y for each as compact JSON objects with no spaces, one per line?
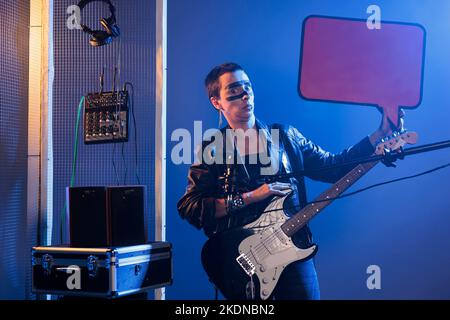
{"x":365,"y":188}
{"x":259,"y":247}
{"x":269,"y":240}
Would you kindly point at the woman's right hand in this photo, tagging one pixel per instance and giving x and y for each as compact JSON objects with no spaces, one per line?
{"x":259,"y":194}
{"x":265,"y":191}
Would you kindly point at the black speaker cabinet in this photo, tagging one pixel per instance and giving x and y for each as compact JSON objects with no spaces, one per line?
{"x":106,"y":216}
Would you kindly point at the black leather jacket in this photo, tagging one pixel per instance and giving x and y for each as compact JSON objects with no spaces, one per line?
{"x":295,"y":153}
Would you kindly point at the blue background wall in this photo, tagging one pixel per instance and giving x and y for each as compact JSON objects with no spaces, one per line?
{"x":402,"y":227}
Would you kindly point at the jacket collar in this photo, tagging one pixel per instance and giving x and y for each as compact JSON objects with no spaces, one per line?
{"x":274,"y":151}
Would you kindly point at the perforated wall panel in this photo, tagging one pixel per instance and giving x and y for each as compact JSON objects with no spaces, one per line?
{"x":14,"y":240}
{"x":77,"y":68}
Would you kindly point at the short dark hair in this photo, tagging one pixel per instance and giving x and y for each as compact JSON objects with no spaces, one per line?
{"x":212,"y":84}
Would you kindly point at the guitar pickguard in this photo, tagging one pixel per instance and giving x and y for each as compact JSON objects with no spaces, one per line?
{"x":270,"y":250}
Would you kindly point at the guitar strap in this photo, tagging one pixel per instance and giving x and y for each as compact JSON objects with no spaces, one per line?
{"x":288,"y":152}
{"x":296,"y":166}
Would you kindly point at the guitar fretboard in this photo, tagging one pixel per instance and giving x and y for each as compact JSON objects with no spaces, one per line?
{"x":301,"y":218}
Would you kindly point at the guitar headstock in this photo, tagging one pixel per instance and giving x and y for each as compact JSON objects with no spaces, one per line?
{"x":395,"y":142}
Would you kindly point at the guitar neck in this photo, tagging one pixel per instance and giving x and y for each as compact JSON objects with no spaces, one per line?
{"x":301,"y":218}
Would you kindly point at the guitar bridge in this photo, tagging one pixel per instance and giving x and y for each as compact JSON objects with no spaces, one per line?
{"x":246,"y":264}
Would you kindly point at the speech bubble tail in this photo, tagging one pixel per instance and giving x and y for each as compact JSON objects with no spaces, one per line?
{"x":392,"y":113}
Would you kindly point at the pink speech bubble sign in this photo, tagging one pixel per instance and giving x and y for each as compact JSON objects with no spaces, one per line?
{"x":344,"y":61}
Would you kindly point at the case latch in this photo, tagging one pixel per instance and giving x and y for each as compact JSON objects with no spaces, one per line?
{"x":92,"y":266}
{"x":47,"y":264}
{"x":137,"y":269}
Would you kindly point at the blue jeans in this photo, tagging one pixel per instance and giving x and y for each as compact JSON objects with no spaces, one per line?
{"x":298,"y":282}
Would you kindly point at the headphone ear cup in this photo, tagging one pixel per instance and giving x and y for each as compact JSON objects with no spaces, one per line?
{"x":111,"y":29}
{"x":100,"y":38}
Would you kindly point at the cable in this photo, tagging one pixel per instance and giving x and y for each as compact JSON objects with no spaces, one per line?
{"x":118,"y":66}
{"x":116,"y":117}
{"x":75,"y":153}
{"x":124,"y":164}
{"x":135,"y":130}
{"x":387,"y":182}
{"x":114,"y":163}
{"x":387,"y":159}
{"x":365,"y":189}
{"x":74,"y":160}
{"x":117,"y":70}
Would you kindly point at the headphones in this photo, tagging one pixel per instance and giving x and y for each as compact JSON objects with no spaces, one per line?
{"x":100,"y":37}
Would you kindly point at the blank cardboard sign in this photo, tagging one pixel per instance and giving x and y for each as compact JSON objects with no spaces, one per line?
{"x":344,"y":61}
